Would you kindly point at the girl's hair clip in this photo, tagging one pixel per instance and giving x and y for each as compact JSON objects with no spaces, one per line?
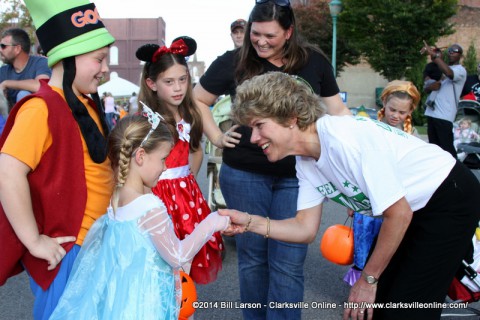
{"x":184,"y":46}
{"x":153,"y":117}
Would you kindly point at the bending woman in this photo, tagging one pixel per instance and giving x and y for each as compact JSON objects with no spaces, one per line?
{"x":426,"y":197}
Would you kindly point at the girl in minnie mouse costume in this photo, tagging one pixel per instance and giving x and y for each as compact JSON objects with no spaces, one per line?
{"x":166,"y":88}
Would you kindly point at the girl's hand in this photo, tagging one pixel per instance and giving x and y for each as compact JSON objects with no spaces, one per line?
{"x":49,"y":249}
{"x":361,"y":298}
{"x":231,"y":138}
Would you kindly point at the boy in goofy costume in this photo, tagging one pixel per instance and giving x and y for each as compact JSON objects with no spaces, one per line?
{"x":55,"y":178}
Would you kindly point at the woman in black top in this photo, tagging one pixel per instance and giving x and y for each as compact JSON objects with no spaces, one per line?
{"x":269,"y":270}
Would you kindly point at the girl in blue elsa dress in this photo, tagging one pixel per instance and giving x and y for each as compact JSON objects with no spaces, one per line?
{"x":128,"y":265}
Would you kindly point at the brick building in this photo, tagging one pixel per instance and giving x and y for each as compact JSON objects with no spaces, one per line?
{"x":130,"y":34}
{"x":467,"y":26}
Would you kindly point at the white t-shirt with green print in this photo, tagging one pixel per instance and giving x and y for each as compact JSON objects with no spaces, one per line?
{"x":367,"y":166}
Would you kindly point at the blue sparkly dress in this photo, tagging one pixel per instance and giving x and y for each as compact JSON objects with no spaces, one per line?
{"x":128,"y":265}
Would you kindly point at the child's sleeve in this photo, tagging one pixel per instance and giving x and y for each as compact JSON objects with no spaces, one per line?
{"x":177,"y":252}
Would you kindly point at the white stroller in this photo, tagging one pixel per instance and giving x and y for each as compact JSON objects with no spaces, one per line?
{"x":470,"y":110}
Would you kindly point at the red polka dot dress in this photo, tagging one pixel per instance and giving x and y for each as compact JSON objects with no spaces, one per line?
{"x":186,"y":205}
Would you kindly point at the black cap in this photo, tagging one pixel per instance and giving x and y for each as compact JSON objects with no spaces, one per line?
{"x":455,"y":48}
{"x":239,"y":23}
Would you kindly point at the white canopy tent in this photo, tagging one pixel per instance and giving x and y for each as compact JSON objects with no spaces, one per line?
{"x":119,"y":87}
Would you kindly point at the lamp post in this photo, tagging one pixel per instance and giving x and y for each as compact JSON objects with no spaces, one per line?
{"x":335,"y":9}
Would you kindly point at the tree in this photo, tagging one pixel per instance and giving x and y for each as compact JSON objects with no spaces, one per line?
{"x":390,"y":33}
{"x":315,"y":25}
{"x":14,"y":13}
{"x":470,"y":60}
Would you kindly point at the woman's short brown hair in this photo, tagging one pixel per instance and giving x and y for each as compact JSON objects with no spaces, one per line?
{"x":278,"y":96}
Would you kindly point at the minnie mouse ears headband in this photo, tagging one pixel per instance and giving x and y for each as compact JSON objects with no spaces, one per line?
{"x":184,"y":46}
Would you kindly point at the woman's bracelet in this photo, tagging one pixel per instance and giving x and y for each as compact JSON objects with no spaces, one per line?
{"x":248,"y":223}
{"x":267,"y":235}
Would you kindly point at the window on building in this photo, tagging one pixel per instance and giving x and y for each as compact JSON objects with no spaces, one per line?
{"x":113,"y":56}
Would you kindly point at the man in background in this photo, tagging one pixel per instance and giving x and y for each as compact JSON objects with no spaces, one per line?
{"x":133,"y":104}
{"x":441,"y":115}
{"x":237,"y":29}
{"x":21,"y":72}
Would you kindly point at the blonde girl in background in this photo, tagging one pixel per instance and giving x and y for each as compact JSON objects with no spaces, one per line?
{"x":166,"y":88}
{"x":129,"y":263}
{"x":400,"y":99}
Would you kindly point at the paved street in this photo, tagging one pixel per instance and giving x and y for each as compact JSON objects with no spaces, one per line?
{"x":323,"y":284}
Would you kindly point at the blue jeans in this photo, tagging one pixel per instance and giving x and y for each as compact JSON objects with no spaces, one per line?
{"x":22,"y":94}
{"x":269,"y":270}
{"x":110,"y":116}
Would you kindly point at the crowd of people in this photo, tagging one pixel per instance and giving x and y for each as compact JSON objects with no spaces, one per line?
{"x":127,"y":174}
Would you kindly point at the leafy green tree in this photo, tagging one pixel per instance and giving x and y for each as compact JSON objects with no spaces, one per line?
{"x":470,"y":60}
{"x":390,"y":33}
{"x":415,"y":74}
{"x":315,"y":25}
{"x":14,"y":13}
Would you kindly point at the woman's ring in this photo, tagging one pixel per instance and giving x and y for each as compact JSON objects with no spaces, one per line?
{"x":361,"y":311}
{"x":227,"y":134}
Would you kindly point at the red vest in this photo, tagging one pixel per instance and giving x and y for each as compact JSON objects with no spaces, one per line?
{"x":57,"y":186}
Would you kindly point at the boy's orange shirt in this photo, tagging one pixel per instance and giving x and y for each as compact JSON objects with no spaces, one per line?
{"x":31,"y":130}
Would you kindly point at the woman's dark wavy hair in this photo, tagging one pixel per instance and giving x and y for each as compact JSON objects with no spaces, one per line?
{"x":296,"y":50}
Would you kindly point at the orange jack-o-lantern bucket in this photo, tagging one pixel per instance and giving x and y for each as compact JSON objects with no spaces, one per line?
{"x":189,"y":296}
{"x":337,"y":244}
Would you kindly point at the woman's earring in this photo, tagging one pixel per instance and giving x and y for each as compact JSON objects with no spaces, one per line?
{"x":291,"y":127}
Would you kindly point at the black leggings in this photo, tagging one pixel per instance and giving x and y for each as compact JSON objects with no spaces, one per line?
{"x":434,"y":245}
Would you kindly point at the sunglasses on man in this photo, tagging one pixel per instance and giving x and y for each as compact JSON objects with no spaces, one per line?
{"x":3,"y":45}
{"x":454,"y":50}
{"x":281,"y":3}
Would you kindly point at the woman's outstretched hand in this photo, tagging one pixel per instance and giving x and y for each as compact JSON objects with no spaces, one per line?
{"x":238,"y":221}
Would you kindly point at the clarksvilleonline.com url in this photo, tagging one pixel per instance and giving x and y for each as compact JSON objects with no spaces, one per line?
{"x":405,"y":305}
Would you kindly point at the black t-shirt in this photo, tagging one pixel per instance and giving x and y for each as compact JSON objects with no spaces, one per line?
{"x":472,"y":84}
{"x":219,"y":79}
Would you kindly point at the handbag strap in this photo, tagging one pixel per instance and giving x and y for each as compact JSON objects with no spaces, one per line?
{"x":455,"y":94}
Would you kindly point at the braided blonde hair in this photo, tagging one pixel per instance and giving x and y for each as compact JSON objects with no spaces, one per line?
{"x":402,"y":90}
{"x":125,"y":139}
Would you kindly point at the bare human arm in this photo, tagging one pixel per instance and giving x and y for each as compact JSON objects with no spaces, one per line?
{"x":16,"y":201}
{"x":195,"y":159}
{"x":301,"y":229}
{"x":396,"y":220}
{"x":204,"y":100}
{"x":437,"y":59}
{"x":31,"y":85}
{"x":335,"y":106}
{"x":431,"y":85}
